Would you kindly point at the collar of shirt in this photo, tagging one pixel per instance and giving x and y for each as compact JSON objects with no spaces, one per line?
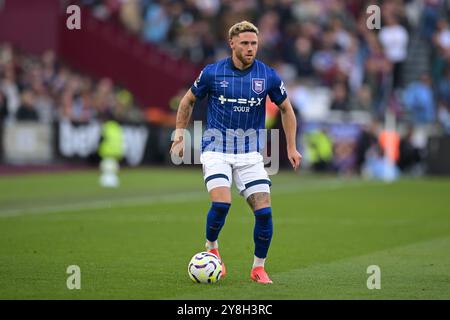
{"x":239,"y":71}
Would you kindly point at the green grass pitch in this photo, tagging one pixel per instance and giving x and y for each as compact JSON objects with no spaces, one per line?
{"x":135,"y":242}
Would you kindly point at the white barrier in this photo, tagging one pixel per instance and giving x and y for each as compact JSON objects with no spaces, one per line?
{"x":27,"y":142}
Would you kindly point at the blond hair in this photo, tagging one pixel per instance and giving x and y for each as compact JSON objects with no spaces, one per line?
{"x":243,"y":26}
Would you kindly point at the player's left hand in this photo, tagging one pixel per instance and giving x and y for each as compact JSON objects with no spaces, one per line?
{"x":295,"y":158}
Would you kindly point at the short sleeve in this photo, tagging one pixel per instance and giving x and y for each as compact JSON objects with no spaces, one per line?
{"x":277,"y":91}
{"x":200,"y":88}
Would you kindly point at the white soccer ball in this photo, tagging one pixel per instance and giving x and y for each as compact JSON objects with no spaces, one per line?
{"x":205,"y":267}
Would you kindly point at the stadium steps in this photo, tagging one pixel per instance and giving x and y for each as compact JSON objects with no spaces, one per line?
{"x":417,"y":61}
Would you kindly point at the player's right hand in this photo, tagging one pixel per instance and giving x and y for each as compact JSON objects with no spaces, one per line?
{"x":177,"y":147}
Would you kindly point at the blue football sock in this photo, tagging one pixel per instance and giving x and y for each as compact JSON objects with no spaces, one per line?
{"x":263,"y":231}
{"x":216,"y":219}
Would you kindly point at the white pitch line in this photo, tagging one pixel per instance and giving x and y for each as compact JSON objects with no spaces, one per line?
{"x":100,"y":204}
{"x":174,"y":198}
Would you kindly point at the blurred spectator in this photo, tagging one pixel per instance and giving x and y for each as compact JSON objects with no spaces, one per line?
{"x":105,"y":9}
{"x":3,"y":106}
{"x":394,"y":38}
{"x":111,"y":150}
{"x":300,"y":55}
{"x":104,"y":99}
{"x":444,"y":118}
{"x":443,"y":98}
{"x":270,"y":36}
{"x":319,"y":148}
{"x":49,"y":67}
{"x":441,"y":52}
{"x":82,"y":109}
{"x":430,"y":15}
{"x":342,"y":38}
{"x":27,"y":111}
{"x":362,"y":100}
{"x":441,"y":38}
{"x":368,"y":139}
{"x":156,"y":22}
{"x":350,"y":64}
{"x":125,"y":109}
{"x":324,"y":60}
{"x":340,"y":99}
{"x":410,"y":156}
{"x":389,"y":141}
{"x":377,"y":71}
{"x":379,"y":167}
{"x":419,"y":101}
{"x":43,"y":102}
{"x":130,"y":16}
{"x":9,"y":87}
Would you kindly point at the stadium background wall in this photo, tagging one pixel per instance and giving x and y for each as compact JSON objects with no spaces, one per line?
{"x":73,"y":142}
{"x":148,"y":144}
{"x":145,"y":143}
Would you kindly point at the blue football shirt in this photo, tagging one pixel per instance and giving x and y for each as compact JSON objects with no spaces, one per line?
{"x":236,"y":112}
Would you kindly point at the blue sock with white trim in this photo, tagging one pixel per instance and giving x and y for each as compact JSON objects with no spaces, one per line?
{"x":263,"y":231}
{"x":216,"y":219}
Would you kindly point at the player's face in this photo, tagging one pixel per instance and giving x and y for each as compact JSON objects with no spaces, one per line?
{"x":245,"y":46}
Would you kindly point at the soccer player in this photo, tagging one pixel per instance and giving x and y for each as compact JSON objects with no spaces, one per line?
{"x":237,"y":88}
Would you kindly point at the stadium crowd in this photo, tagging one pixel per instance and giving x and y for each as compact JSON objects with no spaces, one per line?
{"x":41,"y":88}
{"x":311,"y":43}
{"x":314,"y":42}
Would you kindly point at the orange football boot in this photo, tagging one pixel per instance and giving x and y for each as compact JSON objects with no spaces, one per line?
{"x":259,"y":275}
{"x":216,"y":252}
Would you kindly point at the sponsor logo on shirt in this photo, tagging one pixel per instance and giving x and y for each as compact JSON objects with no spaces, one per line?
{"x":252,"y":102}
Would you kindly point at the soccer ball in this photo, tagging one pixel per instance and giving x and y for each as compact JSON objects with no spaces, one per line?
{"x":205,"y":267}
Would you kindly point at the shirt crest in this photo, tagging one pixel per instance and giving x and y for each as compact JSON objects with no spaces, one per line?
{"x":258,"y":85}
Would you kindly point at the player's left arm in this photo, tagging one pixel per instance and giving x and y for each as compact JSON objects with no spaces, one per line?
{"x":289,"y":123}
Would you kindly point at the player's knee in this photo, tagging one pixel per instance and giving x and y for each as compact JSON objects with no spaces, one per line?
{"x":220,"y":194}
{"x":259,"y":200}
{"x":263,"y":204}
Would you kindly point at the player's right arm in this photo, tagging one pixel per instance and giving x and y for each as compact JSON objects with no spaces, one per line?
{"x":183,"y":116}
